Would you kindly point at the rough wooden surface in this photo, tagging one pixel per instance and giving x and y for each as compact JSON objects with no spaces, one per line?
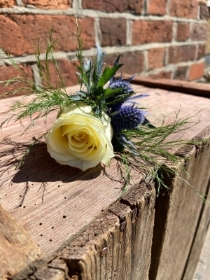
{"x":174,"y":85}
{"x":53,"y":202}
{"x":203,"y":268}
{"x":117,"y":245}
{"x":17,"y":248}
{"x":57,"y":203}
{"x":179,"y":230}
{"x":203,"y":172}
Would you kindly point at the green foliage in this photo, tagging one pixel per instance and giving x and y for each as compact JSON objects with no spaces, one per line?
{"x":146,"y":148}
{"x":38,"y":101}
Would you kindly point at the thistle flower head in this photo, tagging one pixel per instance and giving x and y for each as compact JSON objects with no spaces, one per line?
{"x":128,"y":117}
{"x":126,"y":89}
{"x":121,"y":83}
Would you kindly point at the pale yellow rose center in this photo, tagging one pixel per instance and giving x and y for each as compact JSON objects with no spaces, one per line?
{"x":80,"y":137}
{"x":81,"y":141}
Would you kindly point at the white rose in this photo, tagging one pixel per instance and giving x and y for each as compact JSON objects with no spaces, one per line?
{"x":79,"y":139}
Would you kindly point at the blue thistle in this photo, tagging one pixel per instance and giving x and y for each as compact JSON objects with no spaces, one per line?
{"x":128,"y":117}
{"x":121,"y":83}
{"x":121,"y":96}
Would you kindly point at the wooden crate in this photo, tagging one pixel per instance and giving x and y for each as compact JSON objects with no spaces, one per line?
{"x":77,"y":223}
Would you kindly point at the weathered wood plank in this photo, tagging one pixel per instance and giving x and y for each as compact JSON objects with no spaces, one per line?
{"x":17,"y":248}
{"x":177,"y":218}
{"x":115,"y":246}
{"x":174,"y":85}
{"x":57,"y":203}
{"x":53,"y":202}
{"x":203,"y":172}
{"x":179,"y":230}
{"x":203,"y":268}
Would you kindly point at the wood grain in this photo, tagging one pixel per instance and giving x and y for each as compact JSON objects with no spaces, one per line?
{"x":17,"y":248}
{"x":56,"y":204}
{"x":179,"y":230}
{"x":203,"y":268}
{"x":53,"y":202}
{"x":197,"y":89}
{"x":116,"y":245}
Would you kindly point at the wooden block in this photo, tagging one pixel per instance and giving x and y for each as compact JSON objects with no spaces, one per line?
{"x":57,"y":203}
{"x":17,"y":248}
{"x":174,"y":85}
{"x":180,"y":220}
{"x":203,"y":156}
{"x":203,"y":267}
{"x":116,"y":245}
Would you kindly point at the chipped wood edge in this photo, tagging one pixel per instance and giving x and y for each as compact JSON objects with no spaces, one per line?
{"x":108,"y":246}
{"x":17,"y":248}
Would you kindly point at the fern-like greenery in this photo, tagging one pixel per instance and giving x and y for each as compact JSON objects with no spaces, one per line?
{"x":144,"y":148}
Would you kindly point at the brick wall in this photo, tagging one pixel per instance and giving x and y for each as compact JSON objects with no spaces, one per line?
{"x":157,"y":38}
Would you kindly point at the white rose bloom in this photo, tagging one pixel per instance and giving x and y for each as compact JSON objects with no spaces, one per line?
{"x":79,"y":139}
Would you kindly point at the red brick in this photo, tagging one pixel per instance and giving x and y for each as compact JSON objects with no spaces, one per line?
{"x":113,"y":32}
{"x":181,"y":53}
{"x":181,"y":73}
{"x":201,"y":51}
{"x":199,"y":31}
{"x":162,"y":75}
{"x":112,"y":6}
{"x":196,"y":71}
{"x":157,"y":7}
{"x":67,"y":71}
{"x":49,"y":4}
{"x":156,"y":58}
{"x":133,"y":62}
{"x":7,"y":3}
{"x":184,"y":8}
{"x":28,"y":29}
{"x":204,"y":12}
{"x":9,"y":72}
{"x":151,"y":31}
{"x":183,"y":31}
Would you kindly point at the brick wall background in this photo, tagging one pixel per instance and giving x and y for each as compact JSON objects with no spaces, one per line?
{"x":157,"y":38}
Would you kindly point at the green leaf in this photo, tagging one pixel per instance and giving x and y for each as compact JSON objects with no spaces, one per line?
{"x":108,"y":73}
{"x":108,"y":92}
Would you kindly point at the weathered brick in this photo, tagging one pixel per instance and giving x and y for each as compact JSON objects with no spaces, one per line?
{"x":181,"y":53}
{"x":20,"y":33}
{"x":113,"y":32}
{"x":151,"y":31}
{"x":183,"y":31}
{"x":201,"y":51}
{"x":157,"y":7}
{"x":196,"y":71}
{"x":199,"y":31}
{"x":66,"y":69}
{"x":49,"y":4}
{"x":9,"y":72}
{"x":204,"y":12}
{"x":184,"y":8}
{"x":133,"y":62}
{"x":110,"y":6}
{"x":181,"y":73}
{"x":161,"y":75}
{"x":156,"y":58}
{"x":7,"y":3}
